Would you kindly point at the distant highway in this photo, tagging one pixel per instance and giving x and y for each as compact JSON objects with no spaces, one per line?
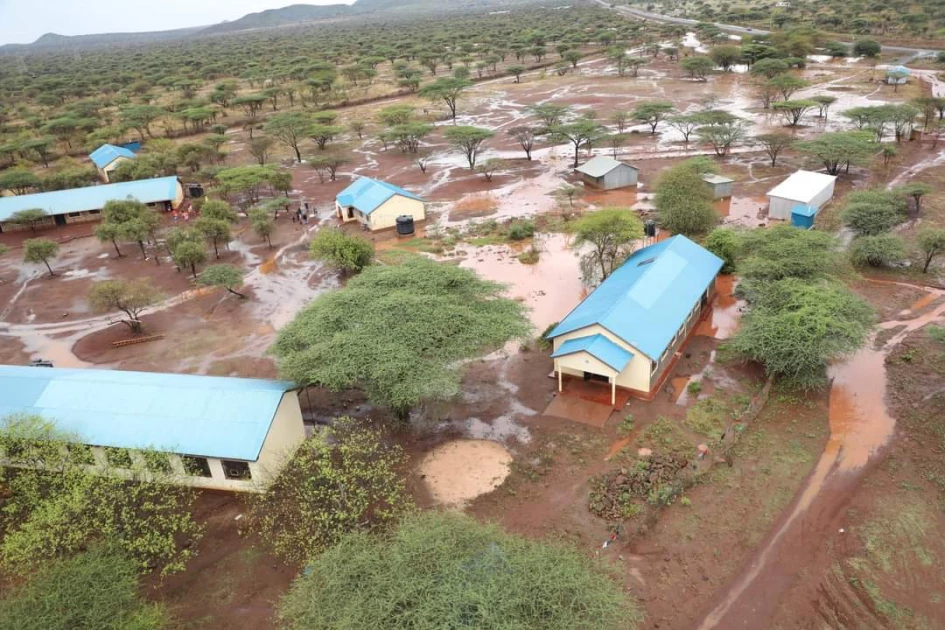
{"x":910,"y":53}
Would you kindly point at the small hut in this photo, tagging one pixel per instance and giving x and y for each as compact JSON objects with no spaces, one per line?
{"x":721,"y":186}
{"x":606,"y":173}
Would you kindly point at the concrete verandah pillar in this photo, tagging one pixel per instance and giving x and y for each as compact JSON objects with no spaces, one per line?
{"x":613,"y":390}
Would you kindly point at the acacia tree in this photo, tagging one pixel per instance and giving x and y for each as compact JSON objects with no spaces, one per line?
{"x":610,"y":235}
{"x":289,"y":128}
{"x":683,"y":201}
{"x":685,"y":124}
{"x":525,"y":136}
{"x":468,"y":140}
{"x":931,"y":242}
{"x":774,"y":144}
{"x":345,"y":478}
{"x":130,"y":297}
{"x":448,"y":90}
{"x":263,"y":224}
{"x":30,"y":217}
{"x":354,"y":337}
{"x":915,"y":190}
{"x":699,"y":67}
{"x":127,"y":219}
{"x":189,"y":254}
{"x":470,"y":575}
{"x":796,"y":327}
{"x":794,"y":110}
{"x":549,"y":114}
{"x":40,"y":250}
{"x":839,"y":150}
{"x":578,"y":133}
{"x":227,"y":277}
{"x":653,"y":114}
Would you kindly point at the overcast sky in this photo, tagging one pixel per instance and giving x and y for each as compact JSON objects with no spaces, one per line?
{"x":22,"y":21}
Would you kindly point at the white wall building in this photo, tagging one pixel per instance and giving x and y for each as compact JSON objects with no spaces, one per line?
{"x":803,"y":188}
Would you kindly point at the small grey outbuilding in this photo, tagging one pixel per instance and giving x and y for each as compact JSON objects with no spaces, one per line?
{"x":721,"y":186}
{"x":606,"y":173}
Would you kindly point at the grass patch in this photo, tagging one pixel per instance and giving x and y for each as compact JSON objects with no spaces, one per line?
{"x":666,"y":437}
{"x":900,"y":528}
{"x":708,"y":417}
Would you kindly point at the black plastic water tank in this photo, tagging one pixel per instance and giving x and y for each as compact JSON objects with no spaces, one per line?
{"x":649,"y":228}
{"x":405,"y":225}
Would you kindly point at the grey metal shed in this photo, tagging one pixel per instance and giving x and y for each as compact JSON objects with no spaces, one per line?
{"x":721,"y":186}
{"x":606,"y":173}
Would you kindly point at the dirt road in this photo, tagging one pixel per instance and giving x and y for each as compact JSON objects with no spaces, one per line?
{"x":859,"y":429}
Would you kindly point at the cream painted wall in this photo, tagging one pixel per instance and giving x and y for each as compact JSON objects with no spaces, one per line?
{"x":579,"y":362}
{"x":635,"y":376}
{"x":398,"y":205}
{"x":285,"y":434}
{"x":106,"y":171}
{"x":178,"y":196}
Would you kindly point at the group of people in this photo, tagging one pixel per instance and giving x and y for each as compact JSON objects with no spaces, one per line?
{"x":302,"y":214}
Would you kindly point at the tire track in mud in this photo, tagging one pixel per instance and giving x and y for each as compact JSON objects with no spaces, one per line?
{"x":860,"y":428}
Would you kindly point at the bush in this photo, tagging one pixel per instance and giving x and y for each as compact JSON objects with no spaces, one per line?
{"x":794,"y":327}
{"x":343,"y":479}
{"x":787,"y":252}
{"x":520,"y":230}
{"x":724,"y":243}
{"x":683,"y":201}
{"x":877,"y":250}
{"x":340,"y":251}
{"x":446,"y":570}
{"x":95,"y":590}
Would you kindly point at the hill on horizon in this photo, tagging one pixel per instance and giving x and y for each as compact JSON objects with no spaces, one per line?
{"x":270,"y":18}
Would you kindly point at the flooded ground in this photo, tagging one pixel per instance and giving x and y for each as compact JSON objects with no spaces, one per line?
{"x":457,"y":472}
{"x":551,"y":288}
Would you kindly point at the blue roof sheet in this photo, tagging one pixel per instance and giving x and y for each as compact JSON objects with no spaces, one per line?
{"x":648,"y":298}
{"x":599,"y":347}
{"x":108,"y":153}
{"x":367,"y":195}
{"x":209,"y":416}
{"x":91,"y":197}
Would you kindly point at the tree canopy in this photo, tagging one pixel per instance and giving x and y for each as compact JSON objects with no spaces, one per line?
{"x":794,"y":327}
{"x":684,"y":201}
{"x":441,"y":570}
{"x":57,"y":507}
{"x":345,"y":478}
{"x":95,"y":590}
{"x":130,"y":297}
{"x":610,"y":234}
{"x":399,"y":332}
{"x":346,"y":253}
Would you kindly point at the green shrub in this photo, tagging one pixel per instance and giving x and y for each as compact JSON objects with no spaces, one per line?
{"x":341,"y":251}
{"x":446,"y":570}
{"x":95,"y":590}
{"x":877,"y":251}
{"x":724,"y":243}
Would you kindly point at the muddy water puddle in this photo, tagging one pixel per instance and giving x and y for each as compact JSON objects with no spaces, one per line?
{"x":550,"y":288}
{"x":457,"y":472}
{"x":726,"y":311}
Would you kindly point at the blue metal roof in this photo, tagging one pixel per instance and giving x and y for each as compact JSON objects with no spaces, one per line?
{"x":209,"y":416}
{"x":108,"y":153}
{"x":599,"y":347}
{"x":367,"y":195}
{"x":91,"y":197}
{"x":648,"y":298}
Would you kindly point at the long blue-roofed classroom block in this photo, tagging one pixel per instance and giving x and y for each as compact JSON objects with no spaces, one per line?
{"x":647,"y":300}
{"x":367,"y":195}
{"x":207,"y":416}
{"x":160,"y":189}
{"x":108,"y":153}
